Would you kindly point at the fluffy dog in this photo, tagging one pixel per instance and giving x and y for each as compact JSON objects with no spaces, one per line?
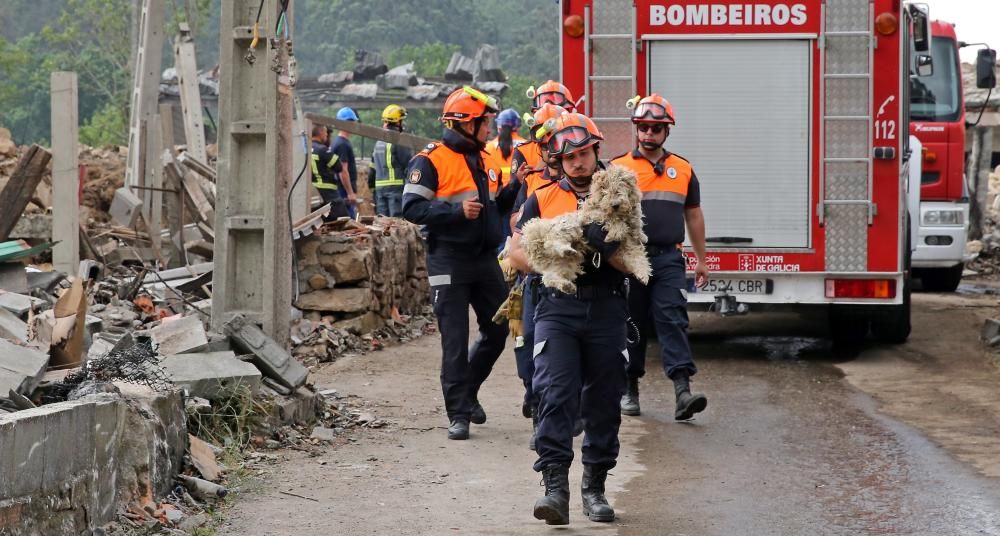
{"x":556,"y":247}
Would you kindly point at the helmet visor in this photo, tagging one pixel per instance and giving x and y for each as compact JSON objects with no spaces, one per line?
{"x":651,"y":111}
{"x":551,"y":98}
{"x":568,"y":139}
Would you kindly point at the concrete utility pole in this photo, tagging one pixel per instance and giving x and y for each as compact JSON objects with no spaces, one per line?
{"x":253,"y":269}
{"x":65,"y":173}
{"x":187,"y":81}
{"x":143,"y":110}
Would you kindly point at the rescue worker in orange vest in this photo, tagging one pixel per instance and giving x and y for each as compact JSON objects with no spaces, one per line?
{"x":671,"y":197}
{"x":459,"y":202}
{"x":500,"y":151}
{"x":528,"y":156}
{"x":580,"y":339}
{"x":531,"y":182}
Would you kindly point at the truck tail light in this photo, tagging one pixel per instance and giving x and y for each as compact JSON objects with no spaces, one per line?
{"x":861,"y":288}
{"x":886,"y":23}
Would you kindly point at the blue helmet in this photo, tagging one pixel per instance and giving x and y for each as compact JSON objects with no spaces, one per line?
{"x":509,"y":118}
{"x":347,"y":114}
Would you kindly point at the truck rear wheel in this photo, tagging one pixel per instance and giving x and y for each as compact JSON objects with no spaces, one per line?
{"x":848,"y":327}
{"x":942,"y":279}
{"x":893,"y":326}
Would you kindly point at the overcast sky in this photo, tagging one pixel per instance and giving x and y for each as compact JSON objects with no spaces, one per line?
{"x":975,"y":21}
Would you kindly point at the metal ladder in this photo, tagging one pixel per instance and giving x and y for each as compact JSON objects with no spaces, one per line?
{"x":846,"y":209}
{"x":611,"y":42}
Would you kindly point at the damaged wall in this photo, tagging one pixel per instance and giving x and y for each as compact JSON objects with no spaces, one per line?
{"x":360,"y":275}
{"x":67,"y":468}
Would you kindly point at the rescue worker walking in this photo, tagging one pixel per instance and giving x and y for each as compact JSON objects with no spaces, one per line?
{"x":389,"y":162}
{"x":671,"y":197}
{"x":500,"y":150}
{"x":531,"y":182}
{"x":341,"y":146}
{"x":326,"y":170}
{"x":459,"y":202}
{"x":528,"y":157}
{"x":580,"y":339}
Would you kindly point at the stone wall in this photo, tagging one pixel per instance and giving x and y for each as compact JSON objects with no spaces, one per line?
{"x":361,"y":273}
{"x":67,"y":468}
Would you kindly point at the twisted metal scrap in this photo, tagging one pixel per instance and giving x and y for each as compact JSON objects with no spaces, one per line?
{"x":135,"y":363}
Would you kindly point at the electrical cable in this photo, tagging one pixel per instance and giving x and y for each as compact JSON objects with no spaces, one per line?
{"x":288,"y":203}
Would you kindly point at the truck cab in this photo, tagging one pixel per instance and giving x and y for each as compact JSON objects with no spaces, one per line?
{"x":937,"y":115}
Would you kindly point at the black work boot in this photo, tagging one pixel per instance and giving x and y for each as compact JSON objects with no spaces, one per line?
{"x":458,"y":429}
{"x":687,"y":404}
{"x":595,"y":504}
{"x":478,"y":415}
{"x":630,"y":400}
{"x":554,"y":506}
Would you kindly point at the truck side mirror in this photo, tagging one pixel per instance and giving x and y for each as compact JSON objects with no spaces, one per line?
{"x":921,"y":29}
{"x":986,"y":60}
{"x":925,"y":65}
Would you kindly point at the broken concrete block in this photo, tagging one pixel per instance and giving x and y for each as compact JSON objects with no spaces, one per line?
{"x":125,"y":207}
{"x":18,"y":304}
{"x":323,"y":434}
{"x":345,"y":267}
{"x":210,"y":375}
{"x":368,"y":65}
{"x":460,"y":68}
{"x":991,"y":332}
{"x":21,"y":368}
{"x":363,"y":91}
{"x":337,"y":300}
{"x":270,"y":358}
{"x":337,"y":78}
{"x":400,"y":77}
{"x":184,"y":335}
{"x":13,"y":277}
{"x":12,"y":327}
{"x":47,"y":281}
{"x":488,"y":65}
{"x":362,"y":324}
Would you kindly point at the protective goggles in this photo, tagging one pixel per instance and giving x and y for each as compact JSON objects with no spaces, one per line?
{"x":651,"y":111}
{"x":550,"y":98}
{"x":568,"y":139}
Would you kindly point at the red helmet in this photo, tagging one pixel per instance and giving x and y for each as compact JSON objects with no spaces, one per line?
{"x":542,"y":122}
{"x":551,"y":92}
{"x":652,"y":109}
{"x":467,"y":104}
{"x":572,"y":132}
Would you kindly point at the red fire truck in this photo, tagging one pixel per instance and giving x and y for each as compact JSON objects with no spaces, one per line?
{"x":937,"y":114}
{"x":794,"y":116}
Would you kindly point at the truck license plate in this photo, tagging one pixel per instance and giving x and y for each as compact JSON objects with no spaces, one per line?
{"x":734,"y":286}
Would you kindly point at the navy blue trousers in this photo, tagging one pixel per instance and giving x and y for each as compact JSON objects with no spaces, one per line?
{"x":523,"y":354}
{"x":580,"y":359}
{"x":458,"y":282}
{"x":662,"y":304}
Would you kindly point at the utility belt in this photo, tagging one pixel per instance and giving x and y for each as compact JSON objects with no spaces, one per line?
{"x":589,"y":292}
{"x":653,"y":250}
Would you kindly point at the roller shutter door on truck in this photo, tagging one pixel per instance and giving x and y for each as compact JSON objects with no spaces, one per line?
{"x":743,"y":120}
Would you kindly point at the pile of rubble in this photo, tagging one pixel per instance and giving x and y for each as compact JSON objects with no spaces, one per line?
{"x":987,"y":263}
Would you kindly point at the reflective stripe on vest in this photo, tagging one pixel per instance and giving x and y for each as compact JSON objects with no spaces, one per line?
{"x":318,"y":181}
{"x":391,"y":178}
{"x":455,"y":181}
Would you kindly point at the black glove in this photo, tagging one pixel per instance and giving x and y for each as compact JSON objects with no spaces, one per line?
{"x":596,"y":237}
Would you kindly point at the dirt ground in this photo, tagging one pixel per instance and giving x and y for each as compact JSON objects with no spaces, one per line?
{"x":895,"y":440}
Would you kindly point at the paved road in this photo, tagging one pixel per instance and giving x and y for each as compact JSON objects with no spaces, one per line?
{"x":789,"y":445}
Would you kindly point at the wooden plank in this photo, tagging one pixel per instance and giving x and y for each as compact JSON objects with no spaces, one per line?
{"x":21,"y":187}
{"x":390,"y":136}
{"x":203,"y":208}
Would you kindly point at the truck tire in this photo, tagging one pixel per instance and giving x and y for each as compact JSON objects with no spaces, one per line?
{"x":848,"y":327}
{"x":942,"y":279}
{"x":893,"y":326}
